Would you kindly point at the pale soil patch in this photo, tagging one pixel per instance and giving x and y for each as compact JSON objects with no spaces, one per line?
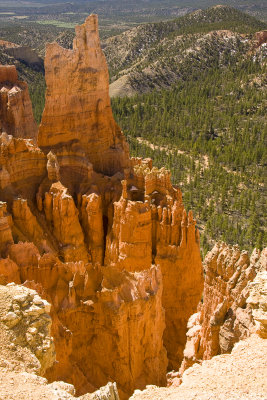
{"x":167,"y":149}
{"x":121,"y":87}
{"x":241,"y":375}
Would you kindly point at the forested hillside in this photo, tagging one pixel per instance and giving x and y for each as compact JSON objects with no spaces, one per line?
{"x":211,"y":133}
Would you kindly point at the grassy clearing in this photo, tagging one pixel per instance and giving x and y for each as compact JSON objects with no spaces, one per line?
{"x":58,"y":24}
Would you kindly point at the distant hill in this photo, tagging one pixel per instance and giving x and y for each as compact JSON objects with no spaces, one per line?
{"x":32,"y":34}
{"x":156,"y":55}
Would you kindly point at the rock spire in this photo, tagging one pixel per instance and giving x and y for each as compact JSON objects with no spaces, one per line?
{"x":77,"y":107}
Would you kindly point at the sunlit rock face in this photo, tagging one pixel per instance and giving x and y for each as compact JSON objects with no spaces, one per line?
{"x":102,"y":236}
{"x":27,"y":350}
{"x":77,"y":109}
{"x":150,"y":225}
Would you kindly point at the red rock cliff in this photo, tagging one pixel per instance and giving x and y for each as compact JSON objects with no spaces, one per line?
{"x":103,"y":237}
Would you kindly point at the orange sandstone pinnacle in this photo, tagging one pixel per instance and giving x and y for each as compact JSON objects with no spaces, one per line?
{"x":102,"y":236}
{"x":77,"y":107}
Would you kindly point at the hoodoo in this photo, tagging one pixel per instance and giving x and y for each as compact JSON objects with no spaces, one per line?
{"x":103,"y":237}
{"x":77,"y":114}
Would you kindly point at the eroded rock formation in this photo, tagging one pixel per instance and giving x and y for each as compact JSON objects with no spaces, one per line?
{"x":234,"y":303}
{"x":104,"y":238}
{"x":16,"y":117}
{"x":150,"y":225}
{"x":232,"y":319}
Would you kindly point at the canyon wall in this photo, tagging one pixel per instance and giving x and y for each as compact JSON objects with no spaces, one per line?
{"x":225,"y":355}
{"x":103,"y":237}
{"x":234,"y":303}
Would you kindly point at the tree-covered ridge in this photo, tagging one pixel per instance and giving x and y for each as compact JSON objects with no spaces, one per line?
{"x":34,"y":35}
{"x":157,"y":55}
{"x":186,"y":56}
{"x":211,"y":133}
{"x":132,"y":49}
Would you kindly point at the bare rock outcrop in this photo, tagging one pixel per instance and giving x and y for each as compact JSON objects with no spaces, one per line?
{"x":16,"y":116}
{"x":109,"y":392}
{"x":105,"y":239}
{"x":234,"y":303}
{"x":257,"y":300}
{"x":260,"y":38}
{"x":27,"y":350}
{"x":25,"y":54}
{"x":25,"y":330}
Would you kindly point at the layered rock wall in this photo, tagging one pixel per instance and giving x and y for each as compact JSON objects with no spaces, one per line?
{"x":22,"y":168}
{"x":98,"y":314}
{"x":150,"y":225}
{"x":116,"y":323}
